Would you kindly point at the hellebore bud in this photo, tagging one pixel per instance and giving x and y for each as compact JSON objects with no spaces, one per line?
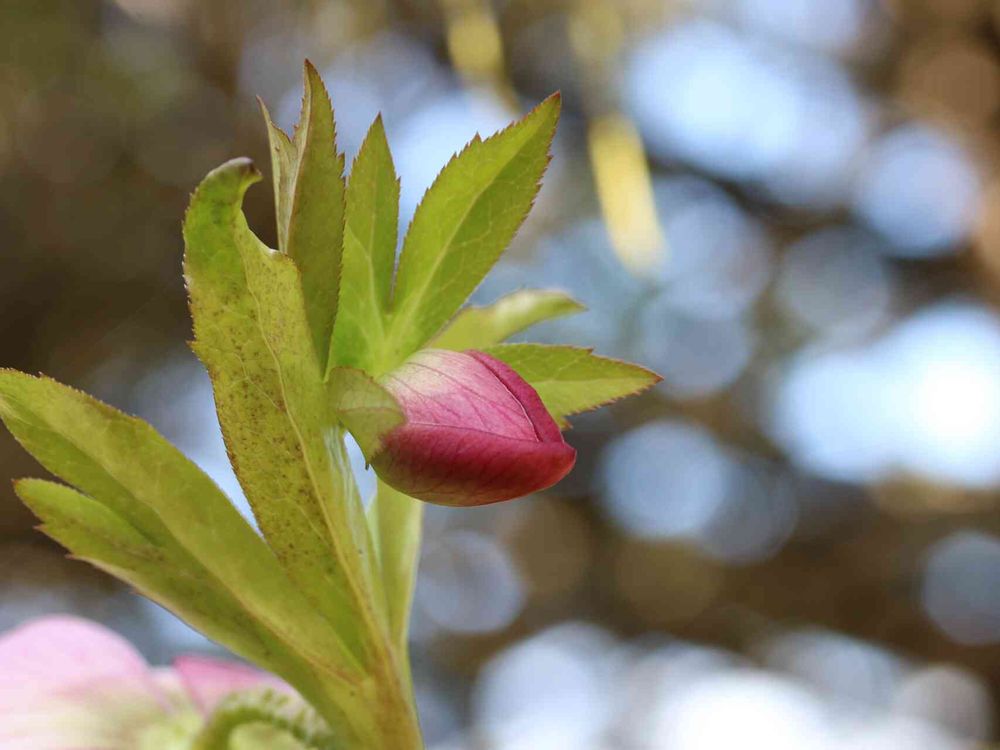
{"x":475,"y":432}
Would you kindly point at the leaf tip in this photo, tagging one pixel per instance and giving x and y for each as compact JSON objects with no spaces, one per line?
{"x":272,"y":129}
{"x":242,"y":169}
{"x":223,"y":183}
{"x":25,"y":489}
{"x":550,"y":107}
{"x":309,"y":68}
{"x":375,"y":136}
{"x":313,"y":80}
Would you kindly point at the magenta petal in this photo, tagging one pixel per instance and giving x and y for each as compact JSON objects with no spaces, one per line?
{"x":475,"y":432}
{"x":209,"y":680}
{"x":452,"y":466}
{"x":527,"y":397}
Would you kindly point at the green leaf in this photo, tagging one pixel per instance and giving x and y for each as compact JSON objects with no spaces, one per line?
{"x":569,"y":379}
{"x":369,"y":254}
{"x":283,"y":435}
{"x":284,"y":165}
{"x":128,"y":468}
{"x":364,"y":407}
{"x":464,"y":222}
{"x":396,"y":520}
{"x":309,"y":203}
{"x":476,"y":327}
{"x":165,"y":573}
{"x":251,"y":333}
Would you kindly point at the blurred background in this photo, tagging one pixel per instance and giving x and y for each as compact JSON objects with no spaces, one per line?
{"x":789,"y":208}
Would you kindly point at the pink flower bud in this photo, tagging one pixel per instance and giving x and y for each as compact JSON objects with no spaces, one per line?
{"x":475,"y":432}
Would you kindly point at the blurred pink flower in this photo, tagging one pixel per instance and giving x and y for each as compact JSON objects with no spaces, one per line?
{"x":475,"y":432}
{"x":71,"y":684}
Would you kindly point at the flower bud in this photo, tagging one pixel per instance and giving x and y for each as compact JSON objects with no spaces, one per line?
{"x":475,"y":432}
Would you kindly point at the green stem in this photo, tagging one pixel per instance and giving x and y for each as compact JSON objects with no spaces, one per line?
{"x":396,"y":731}
{"x":266,"y":707}
{"x":390,"y":692}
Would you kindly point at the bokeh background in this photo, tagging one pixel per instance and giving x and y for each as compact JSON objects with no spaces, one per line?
{"x":789,"y":208}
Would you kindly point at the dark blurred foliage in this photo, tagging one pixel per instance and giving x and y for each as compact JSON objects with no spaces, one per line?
{"x":791,"y":208}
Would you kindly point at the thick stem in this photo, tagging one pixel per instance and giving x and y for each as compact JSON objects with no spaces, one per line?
{"x":398,"y":726}
{"x":381,"y":714}
{"x":385,"y":717}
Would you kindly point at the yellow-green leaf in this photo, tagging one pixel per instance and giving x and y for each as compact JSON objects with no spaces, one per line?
{"x":364,"y":407}
{"x":145,"y":483}
{"x":309,"y":204}
{"x":569,"y":379}
{"x":369,"y":254}
{"x":252,"y":334}
{"x":464,"y":222}
{"x":476,"y":327}
{"x":93,"y":532}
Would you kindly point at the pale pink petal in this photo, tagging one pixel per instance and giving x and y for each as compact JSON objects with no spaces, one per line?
{"x":66,"y":655}
{"x":210,"y":680}
{"x":70,"y":684}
